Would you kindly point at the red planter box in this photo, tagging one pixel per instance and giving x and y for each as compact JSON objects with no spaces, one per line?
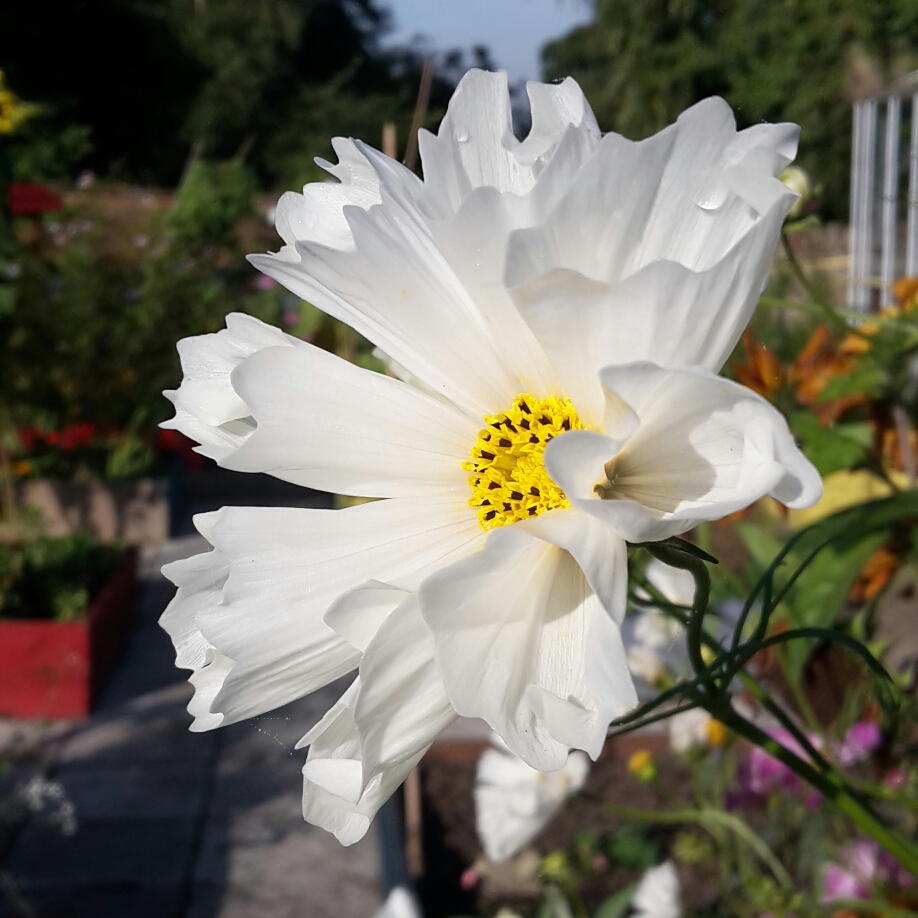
{"x":55,"y":669}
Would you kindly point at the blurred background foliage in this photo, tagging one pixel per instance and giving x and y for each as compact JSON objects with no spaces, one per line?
{"x":270,"y":80}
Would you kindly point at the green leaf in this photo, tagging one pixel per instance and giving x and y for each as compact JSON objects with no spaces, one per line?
{"x":866,"y":379}
{"x":831,"y":448}
{"x":821,"y":591}
{"x":7,"y":299}
{"x":616,"y":906}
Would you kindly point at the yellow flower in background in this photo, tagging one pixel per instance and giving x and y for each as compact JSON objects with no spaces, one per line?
{"x":642,"y":766}
{"x":844,"y":489}
{"x":13,"y":111}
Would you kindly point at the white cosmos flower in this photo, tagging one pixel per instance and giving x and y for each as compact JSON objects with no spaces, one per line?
{"x":514,"y":802}
{"x":570,"y":288}
{"x":657,"y":895}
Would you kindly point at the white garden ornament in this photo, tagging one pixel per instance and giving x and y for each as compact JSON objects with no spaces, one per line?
{"x":567,"y":300}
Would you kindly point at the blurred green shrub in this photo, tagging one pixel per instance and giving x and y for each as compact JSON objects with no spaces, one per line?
{"x":54,"y":578}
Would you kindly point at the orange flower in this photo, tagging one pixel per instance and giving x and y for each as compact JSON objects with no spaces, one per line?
{"x":816,"y":365}
{"x":905,"y":292}
{"x":877,"y":572}
{"x":762,"y":371}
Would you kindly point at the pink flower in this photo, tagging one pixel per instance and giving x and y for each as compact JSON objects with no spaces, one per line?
{"x":895,"y":778}
{"x":469,"y":878}
{"x":838,"y":883}
{"x":860,"y":740}
{"x":265,"y":283}
{"x":762,"y":773}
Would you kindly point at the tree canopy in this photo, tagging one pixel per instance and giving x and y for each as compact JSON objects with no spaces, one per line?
{"x":148,"y":80}
{"x":641,"y":62}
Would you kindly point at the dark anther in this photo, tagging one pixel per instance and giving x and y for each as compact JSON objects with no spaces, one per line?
{"x":566,"y":423}
{"x":525,"y":407}
{"x":507,"y":507}
{"x":509,"y":424}
{"x":492,"y":485}
{"x":535,"y":492}
{"x":487,"y":455}
{"x":490,"y":514}
{"x":515,"y":495}
{"x":544,"y":420}
{"x":533,"y":439}
{"x":533,"y":511}
{"x":524,"y":424}
{"x":504,"y":442}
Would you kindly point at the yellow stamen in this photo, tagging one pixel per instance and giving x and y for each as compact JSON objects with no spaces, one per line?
{"x":508,"y":477}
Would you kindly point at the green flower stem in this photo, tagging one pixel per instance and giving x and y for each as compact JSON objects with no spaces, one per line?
{"x":825,"y":308}
{"x":672,"y":553}
{"x":829,"y":785}
{"x":709,"y":819}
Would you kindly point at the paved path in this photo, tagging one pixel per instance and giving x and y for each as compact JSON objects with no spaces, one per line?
{"x":173,"y":824}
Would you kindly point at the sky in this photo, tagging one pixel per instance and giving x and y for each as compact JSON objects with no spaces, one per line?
{"x":513,"y":30}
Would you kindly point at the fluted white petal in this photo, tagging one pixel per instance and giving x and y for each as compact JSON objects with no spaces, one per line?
{"x":475,"y":146}
{"x":394,"y":286}
{"x":705,"y":448}
{"x":666,"y":312}
{"x":523,"y":643}
{"x":514,"y":802}
{"x":336,"y":795}
{"x":317,"y":215}
{"x":328,"y":424}
{"x":206,"y":392}
{"x":402,"y":705}
{"x":280,"y":571}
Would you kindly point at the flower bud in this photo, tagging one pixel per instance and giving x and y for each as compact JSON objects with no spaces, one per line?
{"x":797,"y":180}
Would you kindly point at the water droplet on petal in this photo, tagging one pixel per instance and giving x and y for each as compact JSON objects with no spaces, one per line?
{"x":711,"y":192}
{"x":462,"y":135}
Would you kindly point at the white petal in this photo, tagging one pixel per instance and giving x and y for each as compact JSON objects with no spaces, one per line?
{"x":402,"y":705}
{"x":475,"y":146}
{"x":596,"y":224}
{"x":215,"y":442}
{"x":671,"y":314}
{"x":658,"y":250}
{"x":208,"y":360}
{"x":377,"y":732}
{"x":332,"y":797}
{"x":601,"y":554}
{"x":330,"y":425}
{"x":317,"y":215}
{"x":394,"y":287}
{"x":286,"y":568}
{"x":705,"y":448}
{"x":523,"y":643}
{"x":357,"y":614}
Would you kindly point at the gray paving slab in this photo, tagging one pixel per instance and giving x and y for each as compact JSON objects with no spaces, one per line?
{"x":174,"y":824}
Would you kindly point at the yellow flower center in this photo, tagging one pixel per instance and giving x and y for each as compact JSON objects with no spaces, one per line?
{"x":508,"y":477}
